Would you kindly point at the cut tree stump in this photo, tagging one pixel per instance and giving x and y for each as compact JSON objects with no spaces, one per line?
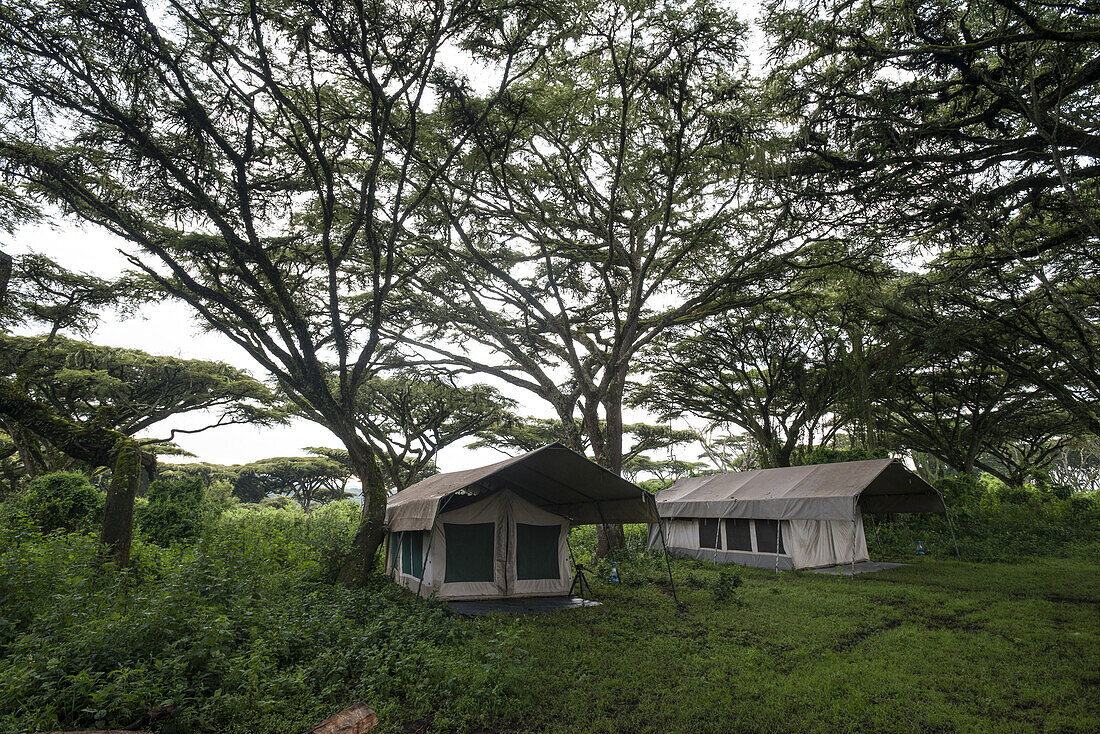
{"x":357,"y":719}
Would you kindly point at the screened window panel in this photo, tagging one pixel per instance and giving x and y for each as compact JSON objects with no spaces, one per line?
{"x":738,"y":535}
{"x":537,"y":551}
{"x":395,"y":550}
{"x":767,"y":536}
{"x":412,"y":554}
{"x":469,"y":552}
{"x":708,"y":533}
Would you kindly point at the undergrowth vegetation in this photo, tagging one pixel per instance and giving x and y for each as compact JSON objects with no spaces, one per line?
{"x":231,"y":615}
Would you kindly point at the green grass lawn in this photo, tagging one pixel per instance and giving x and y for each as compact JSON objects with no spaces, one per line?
{"x":936,"y":646}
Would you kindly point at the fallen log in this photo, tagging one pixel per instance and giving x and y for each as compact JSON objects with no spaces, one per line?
{"x":357,"y":719}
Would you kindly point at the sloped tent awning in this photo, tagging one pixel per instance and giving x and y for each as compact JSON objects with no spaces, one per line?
{"x":816,"y":492}
{"x":553,"y":477}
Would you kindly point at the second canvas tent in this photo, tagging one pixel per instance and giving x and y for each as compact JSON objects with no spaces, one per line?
{"x":787,"y":518}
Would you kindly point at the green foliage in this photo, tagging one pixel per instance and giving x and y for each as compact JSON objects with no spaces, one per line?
{"x":727,"y":586}
{"x":992,"y":523}
{"x":218,"y":495}
{"x":410,"y":415}
{"x":774,"y":370}
{"x":59,"y":501}
{"x":959,"y":490}
{"x":235,"y":630}
{"x":829,"y":455}
{"x":308,"y":479}
{"x":176,"y":510}
{"x":244,"y":633}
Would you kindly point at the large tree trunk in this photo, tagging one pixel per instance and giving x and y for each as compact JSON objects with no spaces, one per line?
{"x":359,"y":564}
{"x":118,"y":513}
{"x":5,"y":275}
{"x":611,"y":536}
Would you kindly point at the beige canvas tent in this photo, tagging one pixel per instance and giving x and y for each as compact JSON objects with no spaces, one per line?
{"x":502,"y":530}
{"x":792,"y":517}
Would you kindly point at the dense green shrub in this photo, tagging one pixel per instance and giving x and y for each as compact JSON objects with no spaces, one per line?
{"x":1001,"y":524}
{"x":727,"y":586}
{"x":59,"y":501}
{"x":176,"y":510}
{"x":235,"y":629}
{"x":830,"y":455}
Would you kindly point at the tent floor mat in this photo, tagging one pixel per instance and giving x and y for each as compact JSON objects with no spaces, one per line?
{"x":861,"y":567}
{"x":520,"y":606}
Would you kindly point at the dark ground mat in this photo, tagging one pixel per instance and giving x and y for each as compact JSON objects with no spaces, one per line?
{"x":520,"y":606}
{"x":861,"y":567}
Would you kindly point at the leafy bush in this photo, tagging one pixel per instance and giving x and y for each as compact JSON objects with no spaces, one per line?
{"x":59,"y":501}
{"x":829,"y":455}
{"x":219,"y":496}
{"x":234,"y":629}
{"x":727,"y":587}
{"x":1004,"y":525}
{"x":176,"y":510}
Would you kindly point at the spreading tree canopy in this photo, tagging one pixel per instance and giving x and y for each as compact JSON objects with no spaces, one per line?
{"x":126,"y":390}
{"x":260,"y":161}
{"x":966,"y":132}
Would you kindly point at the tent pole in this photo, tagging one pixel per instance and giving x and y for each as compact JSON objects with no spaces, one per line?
{"x":778,"y":543}
{"x":951,"y":527}
{"x":668,"y":564}
{"x":853,"y":548}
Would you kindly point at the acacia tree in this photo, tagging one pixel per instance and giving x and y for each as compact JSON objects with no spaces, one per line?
{"x":40,"y":292}
{"x":967,"y":130}
{"x":939,"y":396}
{"x":607,"y":201}
{"x":309,"y":480}
{"x":261,"y":161}
{"x":409,"y":417}
{"x":776,"y":371}
{"x":125,"y":390}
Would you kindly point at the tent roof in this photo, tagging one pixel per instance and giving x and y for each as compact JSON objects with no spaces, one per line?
{"x":552,"y":477}
{"x":816,"y":492}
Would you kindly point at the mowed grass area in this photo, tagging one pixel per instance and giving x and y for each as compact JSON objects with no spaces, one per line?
{"x":933,"y":647}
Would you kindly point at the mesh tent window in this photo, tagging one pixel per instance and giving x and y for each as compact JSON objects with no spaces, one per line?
{"x":469,"y":552}
{"x":768,"y":539}
{"x":537,"y":551}
{"x":412,"y":554}
{"x":738,"y":534}
{"x":708,"y":533}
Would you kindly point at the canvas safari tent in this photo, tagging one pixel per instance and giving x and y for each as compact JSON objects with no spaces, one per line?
{"x":502,"y":530}
{"x":787,"y":518}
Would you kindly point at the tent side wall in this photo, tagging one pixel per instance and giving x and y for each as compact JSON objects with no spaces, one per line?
{"x":805,"y":543}
{"x":501,"y":546}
